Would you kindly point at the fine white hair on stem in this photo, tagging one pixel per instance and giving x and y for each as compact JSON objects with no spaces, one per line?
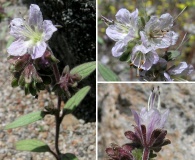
{"x":182,"y":42}
{"x":180,"y":13}
{"x":158,"y":107}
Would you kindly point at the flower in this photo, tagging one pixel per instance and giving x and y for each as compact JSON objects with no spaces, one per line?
{"x":149,"y":131}
{"x":157,"y":32}
{"x":30,"y":36}
{"x":123,"y":30}
{"x":148,"y":136}
{"x":174,"y":73}
{"x":143,"y":58}
{"x":116,"y":152}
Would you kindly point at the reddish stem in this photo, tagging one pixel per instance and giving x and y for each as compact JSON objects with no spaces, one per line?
{"x":146,"y":154}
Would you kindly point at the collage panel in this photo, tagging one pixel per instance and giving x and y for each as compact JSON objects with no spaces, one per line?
{"x":135,"y":116}
{"x":146,"y":40}
{"x":48,"y":79}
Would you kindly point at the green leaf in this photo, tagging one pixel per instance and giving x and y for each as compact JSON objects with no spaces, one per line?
{"x":68,"y":156}
{"x":32,"y":145}
{"x":127,"y":53}
{"x":172,"y":55}
{"x":100,"y":40}
{"x":85,"y":69}
{"x":26,"y":119}
{"x":107,"y":74}
{"x":137,"y":154}
{"x":75,"y":100}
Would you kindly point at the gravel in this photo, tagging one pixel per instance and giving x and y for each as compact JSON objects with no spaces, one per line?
{"x":76,"y":136}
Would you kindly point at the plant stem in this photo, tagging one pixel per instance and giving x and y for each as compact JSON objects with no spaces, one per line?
{"x":57,"y":114}
{"x":57,"y":117}
{"x":146,"y":154}
{"x":54,"y":154}
{"x":56,"y":72}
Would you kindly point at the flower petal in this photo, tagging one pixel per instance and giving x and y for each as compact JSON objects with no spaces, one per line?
{"x":38,"y":50}
{"x":18,"y":48}
{"x":123,"y":16}
{"x":174,"y":37}
{"x":16,"y":26}
{"x":163,"y":120}
{"x":134,"y":18}
{"x":136,"y":117}
{"x":118,"y":49}
{"x":166,"y":21}
{"x":152,"y":24}
{"x":141,"y":48}
{"x":179,"y":69}
{"x":115,"y":33}
{"x":151,"y":58}
{"x":48,"y":29}
{"x":167,"y":76}
{"x":35,"y":16}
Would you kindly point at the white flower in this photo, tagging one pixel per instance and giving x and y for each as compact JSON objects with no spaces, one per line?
{"x":143,"y":57}
{"x":30,"y":36}
{"x":157,"y":32}
{"x":123,"y":30}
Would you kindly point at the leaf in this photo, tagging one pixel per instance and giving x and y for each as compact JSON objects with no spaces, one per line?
{"x":32,"y":145}
{"x":137,"y":153}
{"x":75,"y":100}
{"x":107,"y":74}
{"x":85,"y":69}
{"x":26,"y":119}
{"x":68,"y":156}
{"x":172,"y":55}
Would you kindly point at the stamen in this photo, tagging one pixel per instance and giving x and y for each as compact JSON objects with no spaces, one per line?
{"x":149,"y":99}
{"x":159,"y":102}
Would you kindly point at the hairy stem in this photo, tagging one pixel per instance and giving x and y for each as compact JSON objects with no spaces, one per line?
{"x":54,"y":154}
{"x":57,"y":117}
{"x":57,"y":114}
{"x":146,"y":154}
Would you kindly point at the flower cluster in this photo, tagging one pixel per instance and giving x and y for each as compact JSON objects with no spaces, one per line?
{"x":138,"y":41}
{"x":29,"y":55}
{"x":149,"y":133}
{"x":32,"y":75}
{"x":67,"y":82}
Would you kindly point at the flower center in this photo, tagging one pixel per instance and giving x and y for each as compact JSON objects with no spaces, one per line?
{"x":158,"y":33}
{"x":32,"y":33}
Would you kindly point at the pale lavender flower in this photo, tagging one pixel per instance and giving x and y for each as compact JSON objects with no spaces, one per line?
{"x":124,"y":30}
{"x":157,"y":32}
{"x":151,"y":117}
{"x":149,"y":131}
{"x":31,"y":35}
{"x":174,"y":73}
{"x":143,"y":57}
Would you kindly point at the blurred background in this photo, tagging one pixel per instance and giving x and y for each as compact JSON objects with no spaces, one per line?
{"x":115,"y":117}
{"x":73,"y":44}
{"x":185,"y":23}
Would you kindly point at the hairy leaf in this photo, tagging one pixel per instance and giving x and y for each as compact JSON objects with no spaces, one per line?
{"x":107,"y":74}
{"x":69,"y":156}
{"x":84,"y":69}
{"x":32,"y":145}
{"x":75,"y":100}
{"x":26,"y":119}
